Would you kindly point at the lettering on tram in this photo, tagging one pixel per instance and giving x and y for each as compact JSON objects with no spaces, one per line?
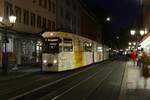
{"x":51,"y":45}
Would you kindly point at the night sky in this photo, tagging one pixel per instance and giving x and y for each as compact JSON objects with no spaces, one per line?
{"x":123,"y":14}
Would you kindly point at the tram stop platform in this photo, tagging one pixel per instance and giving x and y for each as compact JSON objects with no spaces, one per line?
{"x":134,"y":85}
{"x":18,"y":72}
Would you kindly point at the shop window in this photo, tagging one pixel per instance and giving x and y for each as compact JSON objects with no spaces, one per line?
{"x":18,"y":14}
{"x":40,"y":2}
{"x":68,"y":16}
{"x":32,"y":19}
{"x":49,"y":25}
{"x":49,"y":5}
{"x":9,"y":46}
{"x":25,"y":17}
{"x":44,"y":23}
{"x":68,"y":46}
{"x":8,"y":9}
{"x":62,"y":12}
{"x":54,"y":7}
{"x":68,"y":2}
{"x":45,"y":3}
{"x":53,"y":25}
{"x":34,"y":1}
{"x":39,"y":21}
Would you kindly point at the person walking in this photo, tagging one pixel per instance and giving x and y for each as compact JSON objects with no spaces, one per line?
{"x":133,"y":57}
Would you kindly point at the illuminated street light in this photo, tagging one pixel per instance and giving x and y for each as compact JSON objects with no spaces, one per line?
{"x":134,"y":43}
{"x":1,"y":19}
{"x":129,"y":43}
{"x":145,"y":31}
{"x":132,"y":32}
{"x":142,"y":32}
{"x":132,"y":47}
{"x":137,"y":34}
{"x":129,"y":47}
{"x":12,"y":19}
{"x":108,"y":19}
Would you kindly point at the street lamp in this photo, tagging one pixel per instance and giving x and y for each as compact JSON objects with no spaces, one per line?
{"x":12,"y":20}
{"x":129,"y":43}
{"x":108,"y":19}
{"x":134,"y":33}
{"x":134,"y":43}
{"x":142,"y":32}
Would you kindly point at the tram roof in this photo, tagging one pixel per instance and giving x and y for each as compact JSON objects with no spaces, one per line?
{"x":50,"y":34}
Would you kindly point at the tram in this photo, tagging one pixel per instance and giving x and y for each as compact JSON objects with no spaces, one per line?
{"x":66,"y":51}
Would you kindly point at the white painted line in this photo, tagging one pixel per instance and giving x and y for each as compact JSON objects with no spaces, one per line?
{"x":54,"y":82}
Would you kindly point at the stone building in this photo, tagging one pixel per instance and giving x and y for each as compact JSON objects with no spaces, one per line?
{"x":68,"y":15}
{"x":32,"y":17}
{"x":146,"y":15}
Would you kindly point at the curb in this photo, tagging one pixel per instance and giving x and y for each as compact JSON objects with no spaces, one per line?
{"x":123,"y":89}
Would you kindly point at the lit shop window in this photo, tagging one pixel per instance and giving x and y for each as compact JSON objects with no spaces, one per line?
{"x":9,"y":46}
{"x":39,"y":47}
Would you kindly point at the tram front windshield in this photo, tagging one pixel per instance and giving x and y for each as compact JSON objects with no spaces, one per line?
{"x":51,"y":45}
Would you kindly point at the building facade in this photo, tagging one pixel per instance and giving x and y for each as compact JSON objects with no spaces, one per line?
{"x":33,"y":16}
{"x":146,"y":15}
{"x":68,"y":15}
{"x":72,"y":15}
{"x":89,"y":25}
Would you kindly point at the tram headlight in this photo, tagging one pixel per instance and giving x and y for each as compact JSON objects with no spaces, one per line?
{"x":55,"y":61}
{"x":44,"y":61}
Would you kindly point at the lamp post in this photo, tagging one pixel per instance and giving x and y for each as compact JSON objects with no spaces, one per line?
{"x":108,"y":19}
{"x":12,"y":20}
{"x":137,"y":34}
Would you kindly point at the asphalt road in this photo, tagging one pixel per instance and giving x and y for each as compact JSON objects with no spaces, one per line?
{"x":97,"y":82}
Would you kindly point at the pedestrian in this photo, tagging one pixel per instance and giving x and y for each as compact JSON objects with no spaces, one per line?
{"x":144,"y":58}
{"x":145,"y":63}
{"x":133,"y":57}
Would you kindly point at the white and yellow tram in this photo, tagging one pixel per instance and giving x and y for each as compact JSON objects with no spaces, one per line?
{"x":65,"y":51}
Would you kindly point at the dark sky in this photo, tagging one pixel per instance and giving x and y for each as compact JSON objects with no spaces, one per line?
{"x":122,"y":12}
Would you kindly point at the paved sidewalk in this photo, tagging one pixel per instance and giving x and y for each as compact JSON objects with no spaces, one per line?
{"x":18,"y":73}
{"x":134,"y":86}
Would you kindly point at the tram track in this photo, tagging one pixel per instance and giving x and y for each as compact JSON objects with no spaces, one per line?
{"x":65,"y":92}
{"x":50,"y":90}
{"x":94,"y":68}
{"x":76,"y":93}
{"x":26,"y":84}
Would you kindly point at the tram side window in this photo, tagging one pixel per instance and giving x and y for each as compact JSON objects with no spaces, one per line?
{"x":87,"y":47}
{"x":51,"y":45}
{"x":68,"y":46}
